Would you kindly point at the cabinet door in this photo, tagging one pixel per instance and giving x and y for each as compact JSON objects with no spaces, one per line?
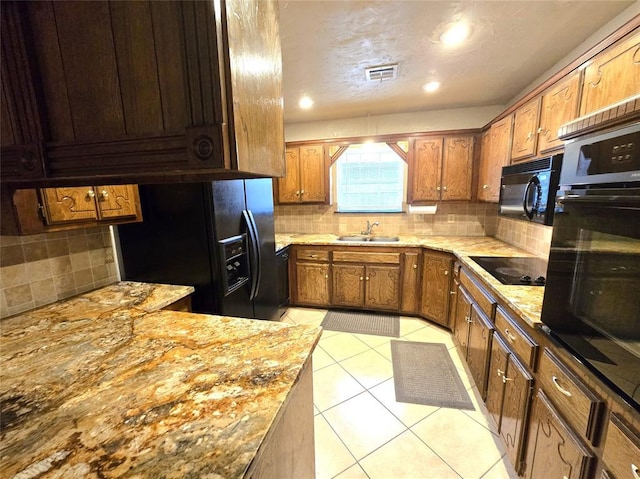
{"x":525,"y":127}
{"x":66,"y":205}
{"x":457,"y":166}
{"x":289,"y":186}
{"x":312,"y":174}
{"x":462,"y":319}
{"x":436,"y":285}
{"x":613,"y":75}
{"x":484,"y":175}
{"x":348,"y":285}
{"x":427,"y":169}
{"x":559,"y":106}
{"x":312,"y":283}
{"x":480,"y":334}
{"x":410,"y":282}
{"x":553,"y":449}
{"x":518,"y":388}
{"x":495,"y":380}
{"x":382,"y":287}
{"x":117,"y":201}
{"x":501,"y":133}
{"x":621,"y":454}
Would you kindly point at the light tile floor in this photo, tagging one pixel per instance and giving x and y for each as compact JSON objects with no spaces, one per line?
{"x":362,"y":432}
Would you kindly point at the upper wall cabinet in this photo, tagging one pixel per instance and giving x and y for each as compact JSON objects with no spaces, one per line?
{"x":141,"y":90}
{"x":441,"y":169}
{"x":559,"y":106}
{"x":495,"y":153}
{"x":525,"y":127}
{"x":612,"y":75}
{"x":305,"y":181}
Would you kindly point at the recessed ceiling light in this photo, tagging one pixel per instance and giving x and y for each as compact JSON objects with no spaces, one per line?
{"x":455,"y":33}
{"x":305,"y":103}
{"x":431,"y":86}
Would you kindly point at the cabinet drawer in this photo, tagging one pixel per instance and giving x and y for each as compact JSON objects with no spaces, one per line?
{"x":519,"y":341}
{"x":621,"y":454}
{"x":312,"y":255}
{"x":484,"y":301}
{"x":580,"y":407}
{"x":365,"y":257}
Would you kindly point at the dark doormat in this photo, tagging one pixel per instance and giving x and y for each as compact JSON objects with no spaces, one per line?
{"x":362,"y":323}
{"x":424,"y":373}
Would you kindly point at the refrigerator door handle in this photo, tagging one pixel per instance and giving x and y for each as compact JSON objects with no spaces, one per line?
{"x":254,"y":252}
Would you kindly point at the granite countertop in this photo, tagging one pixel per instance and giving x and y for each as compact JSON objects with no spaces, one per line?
{"x":524,"y":300}
{"x":107,"y":385}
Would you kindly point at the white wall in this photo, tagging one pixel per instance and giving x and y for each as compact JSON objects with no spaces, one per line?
{"x":436,"y":120}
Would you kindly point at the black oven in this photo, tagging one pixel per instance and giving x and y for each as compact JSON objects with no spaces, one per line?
{"x":592,"y":295}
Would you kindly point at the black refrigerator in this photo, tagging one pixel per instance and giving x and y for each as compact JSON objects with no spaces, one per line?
{"x":216,"y":236}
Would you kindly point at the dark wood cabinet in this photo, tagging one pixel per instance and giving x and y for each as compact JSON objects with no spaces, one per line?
{"x":553,"y":449}
{"x":462,"y":318}
{"x":436,"y":286}
{"x":306,"y":176}
{"x":140,"y":91}
{"x":509,"y":390}
{"x":411,"y":282}
{"x":478,"y":348}
{"x":621,"y":454}
{"x":44,"y":210}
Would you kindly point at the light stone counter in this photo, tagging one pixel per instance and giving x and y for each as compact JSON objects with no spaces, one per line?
{"x":106,"y":385}
{"x":524,"y":300}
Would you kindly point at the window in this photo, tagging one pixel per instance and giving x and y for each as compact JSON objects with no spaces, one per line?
{"x":370,"y":178}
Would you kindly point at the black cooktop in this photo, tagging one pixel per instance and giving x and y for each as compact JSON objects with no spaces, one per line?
{"x":524,"y":270}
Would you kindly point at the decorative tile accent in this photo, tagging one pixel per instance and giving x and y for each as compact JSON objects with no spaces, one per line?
{"x":36,"y":270}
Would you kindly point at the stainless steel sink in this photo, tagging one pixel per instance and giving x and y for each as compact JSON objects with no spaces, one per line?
{"x":364,"y":239}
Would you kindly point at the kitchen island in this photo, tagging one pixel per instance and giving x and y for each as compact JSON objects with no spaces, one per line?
{"x":106,"y":384}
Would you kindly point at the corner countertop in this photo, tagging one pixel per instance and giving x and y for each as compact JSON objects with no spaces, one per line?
{"x":106,"y":384}
{"x":524,"y":300}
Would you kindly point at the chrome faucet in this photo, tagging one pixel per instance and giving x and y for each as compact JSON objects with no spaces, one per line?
{"x":370,"y":227}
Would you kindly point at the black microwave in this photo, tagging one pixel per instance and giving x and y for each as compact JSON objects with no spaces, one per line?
{"x":592,"y":296}
{"x":528,"y":190}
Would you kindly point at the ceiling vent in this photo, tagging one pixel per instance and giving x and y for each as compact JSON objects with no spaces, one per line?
{"x":382,"y":72}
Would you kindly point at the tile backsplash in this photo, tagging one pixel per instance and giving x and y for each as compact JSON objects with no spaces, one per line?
{"x":40,"y":269}
{"x":531,"y":237}
{"x":471,"y":219}
{"x":450,"y":219}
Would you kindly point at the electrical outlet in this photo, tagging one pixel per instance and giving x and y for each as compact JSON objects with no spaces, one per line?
{"x":451,"y":218}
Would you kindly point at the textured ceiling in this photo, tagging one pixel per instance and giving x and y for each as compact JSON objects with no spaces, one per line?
{"x":327,"y":44}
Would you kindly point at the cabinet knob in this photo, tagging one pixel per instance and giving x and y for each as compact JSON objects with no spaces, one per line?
{"x":367,"y":278}
{"x":313,"y":255}
{"x":484,"y":187}
{"x":635,"y":471}
{"x":326,"y":276}
{"x":560,"y":388}
{"x":298,"y":193}
{"x":444,"y":188}
{"x":452,"y":292}
{"x":505,"y":379}
{"x":468,"y":319}
{"x":302,"y":192}
{"x":437,"y":188}
{"x":415,"y":266}
{"x":540,"y":130}
{"x":104,"y":194}
{"x":529,"y":136}
{"x":500,"y":372}
{"x":91,"y":194}
{"x":446,"y":273}
{"x":361,"y":278}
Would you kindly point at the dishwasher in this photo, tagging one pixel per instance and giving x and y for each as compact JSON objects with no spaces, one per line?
{"x":282,"y":261}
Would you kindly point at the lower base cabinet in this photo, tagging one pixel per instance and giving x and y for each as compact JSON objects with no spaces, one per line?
{"x":509,"y":390}
{"x":478,"y":347}
{"x":554,"y":450}
{"x":436,"y":286}
{"x":312,"y":285}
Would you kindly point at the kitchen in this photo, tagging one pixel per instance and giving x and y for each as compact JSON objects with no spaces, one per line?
{"x":89,"y":250}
